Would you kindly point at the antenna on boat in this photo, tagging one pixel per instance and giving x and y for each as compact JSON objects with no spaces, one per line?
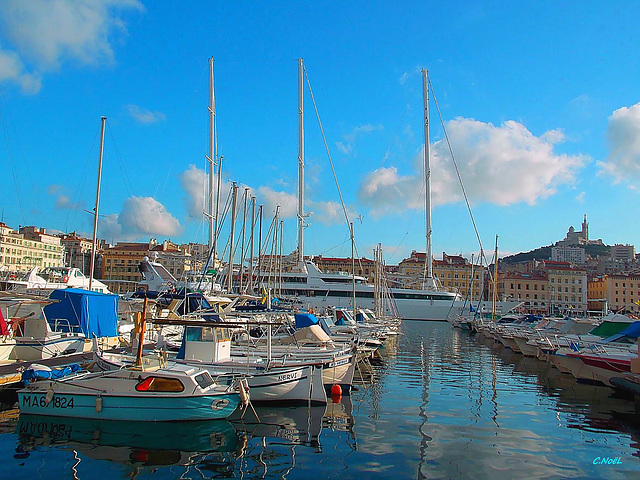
{"x":95,"y":218}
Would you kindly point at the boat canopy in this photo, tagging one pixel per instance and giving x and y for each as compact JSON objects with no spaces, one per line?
{"x":91,"y":313}
{"x":632,"y":331}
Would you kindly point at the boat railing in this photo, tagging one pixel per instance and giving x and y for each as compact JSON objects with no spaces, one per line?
{"x":60,"y":323}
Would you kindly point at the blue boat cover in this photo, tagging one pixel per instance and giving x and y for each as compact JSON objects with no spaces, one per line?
{"x":30,"y":374}
{"x":305,"y":320}
{"x":88,"y":312}
{"x":633,"y":331}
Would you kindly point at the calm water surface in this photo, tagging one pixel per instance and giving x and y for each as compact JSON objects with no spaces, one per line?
{"x":442,"y":403}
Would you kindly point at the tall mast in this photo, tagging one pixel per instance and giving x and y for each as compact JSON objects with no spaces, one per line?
{"x":495,"y":283}
{"x":427,"y":172}
{"x":300,"y":164}
{"x":253,"y":226}
{"x":95,"y":218}
{"x":212,"y":157}
{"x":231,"y":240}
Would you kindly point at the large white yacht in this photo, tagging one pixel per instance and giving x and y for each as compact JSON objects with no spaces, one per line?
{"x":317,"y":290}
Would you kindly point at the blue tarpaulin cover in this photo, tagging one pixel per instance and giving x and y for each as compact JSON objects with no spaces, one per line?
{"x":305,"y":320}
{"x":88,"y":312}
{"x":31,"y":374}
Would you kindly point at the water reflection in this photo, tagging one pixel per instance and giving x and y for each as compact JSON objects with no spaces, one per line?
{"x":270,"y":445}
{"x":133,"y":444}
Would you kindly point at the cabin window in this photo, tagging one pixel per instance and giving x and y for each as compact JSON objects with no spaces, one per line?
{"x":160,"y":384}
{"x":203,"y":380}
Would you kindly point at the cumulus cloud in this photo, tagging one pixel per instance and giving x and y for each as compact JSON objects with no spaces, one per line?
{"x":195,"y":183}
{"x":142,"y":115}
{"x":503,"y":164}
{"x":270,"y":198}
{"x":623,"y":135}
{"x":13,"y":69}
{"x":330,"y":213}
{"x":140,"y":217}
{"x":46,"y":33}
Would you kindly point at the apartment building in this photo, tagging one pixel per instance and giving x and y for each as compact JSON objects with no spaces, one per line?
{"x":530,"y":288}
{"x":620,"y":292}
{"x":28,"y":247}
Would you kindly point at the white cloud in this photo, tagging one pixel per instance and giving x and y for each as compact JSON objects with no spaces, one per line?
{"x":330,"y":213}
{"x":12,"y":69}
{"x":49,"y":31}
{"x":145,"y":216}
{"x":623,"y":134}
{"x":46,"y":33}
{"x":501,"y":165}
{"x":270,"y":199}
{"x":142,"y":115}
{"x":385,"y":191}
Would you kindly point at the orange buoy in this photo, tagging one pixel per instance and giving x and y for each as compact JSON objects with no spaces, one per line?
{"x":336,"y":390}
{"x":336,"y":398}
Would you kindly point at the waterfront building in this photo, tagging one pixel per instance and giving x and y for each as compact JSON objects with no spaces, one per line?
{"x":364,"y":267}
{"x":28,"y":247}
{"x":78,"y":252}
{"x":621,"y":292}
{"x":454,"y":272}
{"x":530,"y":288}
{"x":567,"y":287}
{"x":120,"y":262}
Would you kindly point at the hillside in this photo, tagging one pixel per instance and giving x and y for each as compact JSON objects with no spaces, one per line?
{"x":544,"y":253}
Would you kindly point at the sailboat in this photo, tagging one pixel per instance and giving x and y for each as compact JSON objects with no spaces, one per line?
{"x":320,"y":290}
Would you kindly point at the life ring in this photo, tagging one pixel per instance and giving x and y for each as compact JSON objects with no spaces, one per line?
{"x":311,"y":311}
{"x":12,"y":277}
{"x":65,"y":279}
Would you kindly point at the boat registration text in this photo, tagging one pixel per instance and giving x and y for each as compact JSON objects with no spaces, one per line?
{"x":41,"y":401}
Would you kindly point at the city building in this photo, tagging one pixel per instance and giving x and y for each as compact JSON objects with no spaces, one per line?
{"x":623,"y":253}
{"x":454,"y":273}
{"x":567,"y":287}
{"x":530,"y":288}
{"x":120,"y":262}
{"x":364,"y":267}
{"x":28,"y":247}
{"x":563,"y":253}
{"x":621,"y":292}
{"x":78,"y":253}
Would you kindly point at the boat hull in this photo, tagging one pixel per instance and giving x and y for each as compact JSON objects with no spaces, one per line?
{"x":154,"y":408}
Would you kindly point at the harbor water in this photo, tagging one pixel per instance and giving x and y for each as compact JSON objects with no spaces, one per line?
{"x":439,"y":403}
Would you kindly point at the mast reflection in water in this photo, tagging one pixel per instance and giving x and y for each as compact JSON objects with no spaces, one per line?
{"x":437,"y":402}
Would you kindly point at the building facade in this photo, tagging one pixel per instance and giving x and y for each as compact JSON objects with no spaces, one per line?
{"x":563,"y":253}
{"x":454,"y":273}
{"x":28,"y":247}
{"x":618,"y":293}
{"x":530,"y":288}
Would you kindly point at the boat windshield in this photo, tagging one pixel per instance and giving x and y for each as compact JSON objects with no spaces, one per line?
{"x":55,"y":274}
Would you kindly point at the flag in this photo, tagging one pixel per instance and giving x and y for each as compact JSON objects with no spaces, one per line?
{"x":264,"y":296}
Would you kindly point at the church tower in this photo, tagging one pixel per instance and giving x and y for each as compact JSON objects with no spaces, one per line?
{"x":585,"y":228}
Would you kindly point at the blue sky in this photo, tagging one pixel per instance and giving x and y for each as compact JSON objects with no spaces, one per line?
{"x":540,"y":101}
